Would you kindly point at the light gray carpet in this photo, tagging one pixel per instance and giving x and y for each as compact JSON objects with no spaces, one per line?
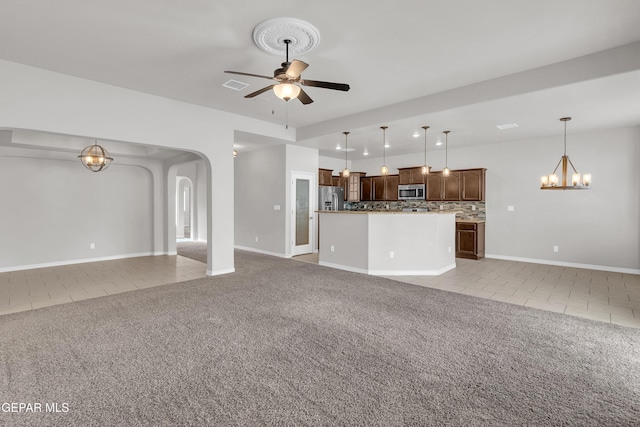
{"x":282,"y":342}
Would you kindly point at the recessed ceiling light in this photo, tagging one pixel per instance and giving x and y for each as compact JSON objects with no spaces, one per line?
{"x":439,"y":143}
{"x":507,"y":126}
{"x":366,"y":153}
{"x":338,"y":147}
{"x":235,"y":85}
{"x":416,"y":134}
{"x":387,"y":145}
{"x":347,"y":149}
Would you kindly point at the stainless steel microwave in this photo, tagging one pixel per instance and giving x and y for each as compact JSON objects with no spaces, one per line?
{"x":411,"y":192}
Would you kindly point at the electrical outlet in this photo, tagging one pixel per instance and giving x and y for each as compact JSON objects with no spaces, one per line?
{"x":276,"y":207}
{"x":256,"y":239}
{"x":333,"y":248}
{"x":510,"y":208}
{"x":449,"y":249}
{"x":391,"y":254}
{"x":555,"y":249}
{"x":441,"y":207}
{"x":473,"y":207}
{"x":92,"y":246}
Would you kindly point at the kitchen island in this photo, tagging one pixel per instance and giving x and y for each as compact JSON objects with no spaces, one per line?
{"x":388,"y":242}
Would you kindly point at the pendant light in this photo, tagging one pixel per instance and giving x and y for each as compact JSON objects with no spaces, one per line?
{"x":95,"y":158}
{"x":384,"y":170}
{"x":345,"y":171}
{"x":425,"y":168}
{"x":578,"y":182}
{"x":446,"y":171}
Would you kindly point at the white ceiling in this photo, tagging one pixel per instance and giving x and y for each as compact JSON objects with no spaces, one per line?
{"x":403,"y":60}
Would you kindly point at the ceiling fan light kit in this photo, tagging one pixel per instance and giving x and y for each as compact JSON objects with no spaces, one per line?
{"x":286,"y":91}
{"x":288,"y":35}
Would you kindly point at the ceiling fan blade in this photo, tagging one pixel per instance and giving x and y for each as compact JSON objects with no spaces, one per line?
{"x":258,"y":92}
{"x":327,"y":85}
{"x":295,"y":69}
{"x":249,"y":74}
{"x":304,"y":98}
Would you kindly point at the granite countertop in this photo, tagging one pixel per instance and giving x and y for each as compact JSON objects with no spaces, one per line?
{"x":470,"y":220}
{"x":390,"y":212}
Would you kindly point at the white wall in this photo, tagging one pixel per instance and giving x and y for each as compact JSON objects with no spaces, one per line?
{"x":200,"y":206}
{"x":260,"y":184}
{"x":53,"y":209}
{"x":41,"y":100}
{"x":336,"y":165}
{"x":596,"y":227}
{"x":263,"y":181}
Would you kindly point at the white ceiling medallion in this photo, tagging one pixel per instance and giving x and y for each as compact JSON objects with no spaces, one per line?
{"x":270,"y":35}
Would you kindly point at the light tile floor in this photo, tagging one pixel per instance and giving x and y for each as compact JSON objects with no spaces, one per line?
{"x":30,"y":289}
{"x":598,"y":295}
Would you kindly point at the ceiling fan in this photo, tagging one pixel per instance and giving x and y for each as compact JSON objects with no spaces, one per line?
{"x":287,"y":76}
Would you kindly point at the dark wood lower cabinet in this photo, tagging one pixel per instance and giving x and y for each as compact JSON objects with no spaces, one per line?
{"x":470,"y":240}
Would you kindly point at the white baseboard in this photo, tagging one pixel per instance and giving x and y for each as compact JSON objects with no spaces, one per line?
{"x":80,"y":261}
{"x":260,"y":251}
{"x":344,"y":267}
{"x":566,"y":264}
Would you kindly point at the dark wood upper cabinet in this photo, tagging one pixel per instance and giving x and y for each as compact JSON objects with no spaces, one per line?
{"x":391,"y":187}
{"x":461,"y":185}
{"x":473,"y":184}
{"x":366,"y":186}
{"x":411,"y":175}
{"x":324,"y":177}
{"x":378,"y":188}
{"x":384,"y":187}
{"x":452,"y":187}
{"x":434,"y":185}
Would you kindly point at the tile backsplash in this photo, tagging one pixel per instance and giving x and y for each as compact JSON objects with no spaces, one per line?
{"x":469,"y":210}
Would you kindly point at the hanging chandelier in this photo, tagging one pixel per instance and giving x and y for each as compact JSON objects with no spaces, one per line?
{"x":425,"y":168}
{"x":95,"y":158}
{"x":578,"y":181}
{"x":384,"y":170}
{"x":446,"y":171}
{"x":345,"y":171}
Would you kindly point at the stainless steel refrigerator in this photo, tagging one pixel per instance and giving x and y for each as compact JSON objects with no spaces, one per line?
{"x":330,"y":198}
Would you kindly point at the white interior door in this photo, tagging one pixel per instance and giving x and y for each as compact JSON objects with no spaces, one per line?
{"x":301,"y":213}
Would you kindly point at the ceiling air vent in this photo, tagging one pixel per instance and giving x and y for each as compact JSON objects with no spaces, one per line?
{"x":235,"y":85}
